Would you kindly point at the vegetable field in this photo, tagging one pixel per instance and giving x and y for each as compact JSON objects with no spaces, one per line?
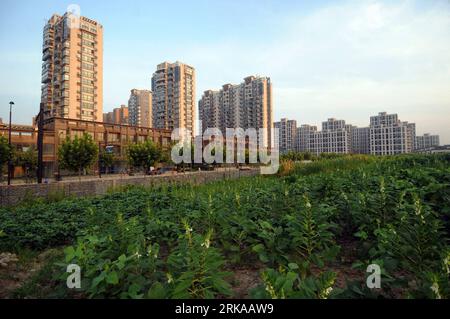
{"x":310,"y":232}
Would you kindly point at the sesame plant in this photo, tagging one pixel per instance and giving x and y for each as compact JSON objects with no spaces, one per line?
{"x":195,"y":267}
{"x":310,"y":232}
{"x":287,"y":283}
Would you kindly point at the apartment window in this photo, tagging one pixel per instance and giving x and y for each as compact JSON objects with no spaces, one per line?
{"x":87,"y":36}
{"x":88,"y":43}
{"x":87,"y":51}
{"x":86,"y":97}
{"x":86,"y":89}
{"x":87,"y":82}
{"x":87,"y":74}
{"x":87,"y":66}
{"x":87,"y":58}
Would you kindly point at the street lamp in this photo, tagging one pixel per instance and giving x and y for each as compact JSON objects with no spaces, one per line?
{"x":9,"y":135}
{"x":99,"y":159}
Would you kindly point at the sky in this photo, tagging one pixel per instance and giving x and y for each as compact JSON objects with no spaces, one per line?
{"x":346,"y":59}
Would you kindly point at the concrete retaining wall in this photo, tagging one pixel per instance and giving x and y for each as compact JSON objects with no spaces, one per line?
{"x":14,"y":194}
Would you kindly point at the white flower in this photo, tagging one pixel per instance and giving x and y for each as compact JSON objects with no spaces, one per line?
{"x":169,"y":278}
{"x":435,"y":289}
{"x":206,"y":243}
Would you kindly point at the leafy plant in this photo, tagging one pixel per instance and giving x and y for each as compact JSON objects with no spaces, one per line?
{"x":145,"y":154}
{"x":195,"y":267}
{"x":5,"y":153}
{"x":77,"y":154}
{"x":287,"y":283}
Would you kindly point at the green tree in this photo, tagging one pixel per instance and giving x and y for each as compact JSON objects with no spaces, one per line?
{"x":106,"y":159}
{"x":144,"y":155}
{"x":78,"y":154}
{"x":26,"y":159}
{"x":5,"y":153}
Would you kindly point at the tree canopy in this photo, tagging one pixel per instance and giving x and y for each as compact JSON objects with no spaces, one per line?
{"x":145,"y":154}
{"x":77,"y":154}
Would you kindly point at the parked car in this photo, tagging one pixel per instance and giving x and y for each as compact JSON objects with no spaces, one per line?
{"x":162,"y":170}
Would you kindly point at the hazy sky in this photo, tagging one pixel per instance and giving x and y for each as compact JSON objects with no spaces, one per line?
{"x":343,"y":59}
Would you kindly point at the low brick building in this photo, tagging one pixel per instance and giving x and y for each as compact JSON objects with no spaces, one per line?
{"x":56,"y":129}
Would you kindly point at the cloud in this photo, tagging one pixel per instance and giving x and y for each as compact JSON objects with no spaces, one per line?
{"x":348,"y":60}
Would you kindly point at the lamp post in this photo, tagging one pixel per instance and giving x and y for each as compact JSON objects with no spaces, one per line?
{"x":9,"y":136}
{"x":99,"y":159}
{"x":40,"y":143}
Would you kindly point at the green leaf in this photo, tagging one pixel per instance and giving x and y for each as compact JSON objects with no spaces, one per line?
{"x":293,"y":266}
{"x":156,"y":291}
{"x":70,"y":253}
{"x":259,"y":248}
{"x":133,"y":291}
{"x":112,"y":278}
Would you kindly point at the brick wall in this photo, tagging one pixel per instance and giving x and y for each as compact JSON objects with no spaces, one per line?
{"x":14,"y":194}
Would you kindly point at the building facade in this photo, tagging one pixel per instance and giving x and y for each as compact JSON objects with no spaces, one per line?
{"x":117,"y":116}
{"x":115,"y":136}
{"x":287,"y":135}
{"x":360,"y":140}
{"x":72,"y":68}
{"x":426,"y":141}
{"x":140,"y":108}
{"x":173,"y":104}
{"x":390,"y":136}
{"x":245,"y":105}
{"x":304,"y":133}
{"x":335,"y":137}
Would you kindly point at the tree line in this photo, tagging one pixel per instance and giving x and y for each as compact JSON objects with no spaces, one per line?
{"x":81,"y":153}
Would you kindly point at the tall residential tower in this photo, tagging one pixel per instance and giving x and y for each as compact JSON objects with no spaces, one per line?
{"x":245,"y":105}
{"x":287,"y":134}
{"x":140,"y":108}
{"x":72,"y":68}
{"x":173,"y":86}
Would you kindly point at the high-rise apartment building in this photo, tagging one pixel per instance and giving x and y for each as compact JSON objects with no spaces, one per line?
{"x":173,"y":105}
{"x":426,"y":141}
{"x":140,"y":108}
{"x":304,"y":133}
{"x":389,"y":135}
{"x":211,"y":112}
{"x":335,"y":137}
{"x":72,"y":69}
{"x":360,"y":140}
{"x":245,"y":105}
{"x":287,"y":134}
{"x":117,"y":116}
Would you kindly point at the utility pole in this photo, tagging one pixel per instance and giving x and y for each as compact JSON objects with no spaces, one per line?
{"x":40,"y":143}
{"x":99,"y":160}
{"x":9,"y":143}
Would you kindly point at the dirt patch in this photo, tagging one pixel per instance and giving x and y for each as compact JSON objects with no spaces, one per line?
{"x":17,"y":272}
{"x":243,"y":280}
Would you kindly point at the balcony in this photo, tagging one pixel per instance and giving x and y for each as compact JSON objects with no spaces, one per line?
{"x":47,"y":54}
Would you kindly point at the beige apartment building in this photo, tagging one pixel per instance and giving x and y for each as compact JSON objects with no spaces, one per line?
{"x":117,"y":116}
{"x":287,"y":134}
{"x":245,"y":105}
{"x":425,"y":141}
{"x":335,"y":137}
{"x":72,"y":68}
{"x":173,"y":105}
{"x":140,"y":108}
{"x":390,"y":136}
